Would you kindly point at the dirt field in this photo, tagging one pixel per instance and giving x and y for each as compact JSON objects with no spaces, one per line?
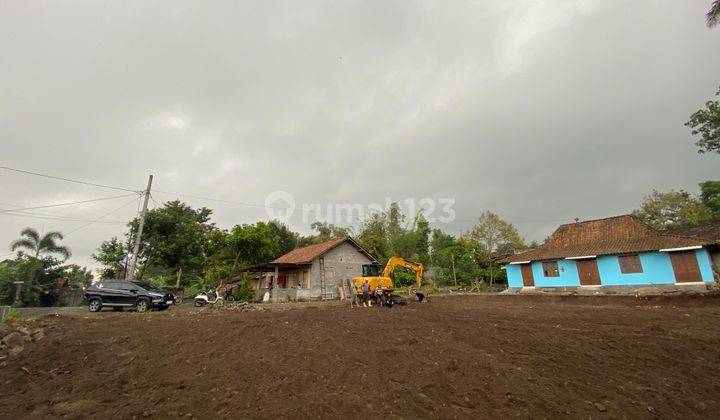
{"x":471,"y":356}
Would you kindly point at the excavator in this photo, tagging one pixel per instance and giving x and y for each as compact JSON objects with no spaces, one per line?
{"x":372,"y":274}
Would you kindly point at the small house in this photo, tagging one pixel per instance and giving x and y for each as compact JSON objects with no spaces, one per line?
{"x":312,"y":272}
{"x":616,"y":251}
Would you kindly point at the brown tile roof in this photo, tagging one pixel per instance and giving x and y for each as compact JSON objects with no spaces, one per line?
{"x":710,"y":232}
{"x":614,"y":235}
{"x":306,"y":254}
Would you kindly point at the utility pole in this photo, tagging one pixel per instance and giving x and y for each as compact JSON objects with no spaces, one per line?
{"x":130,"y":273}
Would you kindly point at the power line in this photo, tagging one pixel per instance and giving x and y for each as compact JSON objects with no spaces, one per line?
{"x":60,"y":218}
{"x":104,"y":215}
{"x":155,"y":204}
{"x":219,"y":200}
{"x":59,"y":178}
{"x":64,"y":204}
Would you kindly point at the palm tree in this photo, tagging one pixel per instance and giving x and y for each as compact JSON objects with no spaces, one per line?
{"x":31,"y":241}
{"x":713,"y":16}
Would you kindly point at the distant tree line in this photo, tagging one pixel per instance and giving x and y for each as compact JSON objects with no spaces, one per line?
{"x":181,"y":246}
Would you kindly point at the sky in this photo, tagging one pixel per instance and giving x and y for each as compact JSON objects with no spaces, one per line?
{"x":540,"y":111}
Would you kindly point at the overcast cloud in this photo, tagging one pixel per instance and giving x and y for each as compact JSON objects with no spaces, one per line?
{"x":541,"y":111}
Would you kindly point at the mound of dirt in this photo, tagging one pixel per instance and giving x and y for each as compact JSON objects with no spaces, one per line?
{"x":14,"y":336}
{"x":466,"y":356}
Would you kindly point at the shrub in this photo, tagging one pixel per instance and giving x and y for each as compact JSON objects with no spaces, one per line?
{"x":245,"y":292}
{"x":11,"y":315}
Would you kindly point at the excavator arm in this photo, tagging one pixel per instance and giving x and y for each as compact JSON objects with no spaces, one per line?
{"x":410,"y":265}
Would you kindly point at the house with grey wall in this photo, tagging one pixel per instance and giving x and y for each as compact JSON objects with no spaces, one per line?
{"x":312,"y":272}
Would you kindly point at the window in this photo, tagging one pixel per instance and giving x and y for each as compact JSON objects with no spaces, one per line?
{"x":371,"y":270}
{"x":630,"y":264}
{"x":550,"y":269}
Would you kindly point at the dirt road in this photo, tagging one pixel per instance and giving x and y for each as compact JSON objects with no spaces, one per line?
{"x":471,"y":356}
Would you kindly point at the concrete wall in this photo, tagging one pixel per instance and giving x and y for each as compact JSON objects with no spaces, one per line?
{"x":657,"y":270}
{"x":341,"y":263}
{"x":705,"y":264}
{"x":566,"y":268}
{"x":514,"y":275}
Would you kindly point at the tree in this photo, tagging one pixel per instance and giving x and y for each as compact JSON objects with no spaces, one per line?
{"x":31,"y":241}
{"x":325,"y":232}
{"x":287,"y":240}
{"x":174,"y":240}
{"x":713,"y":15}
{"x":252,"y":244}
{"x":710,"y":196}
{"x":451,"y":262}
{"x":673,"y":209}
{"x":373,"y":236}
{"x":706,"y":123}
{"x":40,"y":252}
{"x":21,"y":267}
{"x":78,"y":277}
{"x":111,"y":255}
{"x":490,"y":235}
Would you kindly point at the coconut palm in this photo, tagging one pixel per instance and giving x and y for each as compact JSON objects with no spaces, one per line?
{"x":713,"y":16}
{"x":31,"y":241}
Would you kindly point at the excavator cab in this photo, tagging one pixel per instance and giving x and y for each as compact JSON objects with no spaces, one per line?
{"x":372,"y":270}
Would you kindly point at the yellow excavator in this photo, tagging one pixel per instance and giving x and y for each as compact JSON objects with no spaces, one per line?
{"x":372,"y":274}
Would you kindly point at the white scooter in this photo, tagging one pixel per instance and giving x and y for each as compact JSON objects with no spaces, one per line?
{"x":211,"y":297}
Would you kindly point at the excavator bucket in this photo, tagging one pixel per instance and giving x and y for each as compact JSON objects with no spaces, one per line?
{"x":420,"y":296}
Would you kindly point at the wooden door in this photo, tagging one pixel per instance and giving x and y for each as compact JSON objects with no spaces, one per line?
{"x":527,"y":275}
{"x":685,"y":266}
{"x":588,"y":272}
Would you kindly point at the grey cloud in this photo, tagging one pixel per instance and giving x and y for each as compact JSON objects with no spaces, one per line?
{"x":539,"y":111}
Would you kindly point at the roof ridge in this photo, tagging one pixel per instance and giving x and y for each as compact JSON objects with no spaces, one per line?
{"x":601,"y":219}
{"x":308,"y":252}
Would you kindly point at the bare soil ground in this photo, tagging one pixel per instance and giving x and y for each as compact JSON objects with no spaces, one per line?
{"x":462,"y":356}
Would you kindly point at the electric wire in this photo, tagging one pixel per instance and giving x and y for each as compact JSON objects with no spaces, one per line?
{"x":65,"y":204}
{"x":219,"y":200}
{"x":60,"y":178}
{"x":60,"y":218}
{"x":101,"y":217}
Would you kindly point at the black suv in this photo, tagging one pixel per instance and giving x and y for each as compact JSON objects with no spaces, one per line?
{"x":119,"y":294}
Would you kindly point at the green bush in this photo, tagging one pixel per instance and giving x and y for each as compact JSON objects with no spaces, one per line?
{"x":244,"y":293}
{"x":11,"y":315}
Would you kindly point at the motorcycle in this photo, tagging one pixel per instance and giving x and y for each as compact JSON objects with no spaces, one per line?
{"x":211,"y":297}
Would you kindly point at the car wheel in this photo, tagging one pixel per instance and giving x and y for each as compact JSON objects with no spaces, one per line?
{"x":95,"y":304}
{"x":117,"y":309}
{"x":142,"y":305}
{"x":198,"y":303}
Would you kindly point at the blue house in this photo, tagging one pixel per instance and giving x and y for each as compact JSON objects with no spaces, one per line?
{"x":616,"y":251}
